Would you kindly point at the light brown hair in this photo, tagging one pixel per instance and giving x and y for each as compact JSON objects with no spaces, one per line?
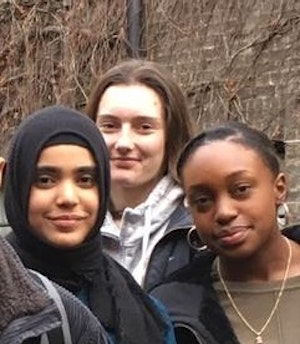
{"x":179,"y":124}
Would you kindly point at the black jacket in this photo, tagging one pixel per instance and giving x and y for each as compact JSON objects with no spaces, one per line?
{"x":172,"y":252}
{"x":193,"y":303}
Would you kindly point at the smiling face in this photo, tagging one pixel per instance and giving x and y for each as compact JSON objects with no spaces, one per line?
{"x":233,"y":196}
{"x":131,"y":119}
{"x":64,"y":199}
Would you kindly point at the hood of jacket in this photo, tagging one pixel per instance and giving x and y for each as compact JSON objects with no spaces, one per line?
{"x":143,"y":226}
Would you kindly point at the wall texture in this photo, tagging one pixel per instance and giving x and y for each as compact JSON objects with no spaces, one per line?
{"x":234,"y":59}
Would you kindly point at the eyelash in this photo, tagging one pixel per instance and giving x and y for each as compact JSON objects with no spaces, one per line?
{"x":140,"y":127}
{"x":241,"y":190}
{"x":201,"y":203}
{"x":89,"y":180}
{"x":47,"y":181}
{"x":44,"y":181}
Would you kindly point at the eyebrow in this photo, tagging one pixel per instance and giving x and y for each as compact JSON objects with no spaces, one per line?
{"x":204,"y":187}
{"x":138,"y":117}
{"x":52,"y":169}
{"x":194,"y":189}
{"x":105,"y":116}
{"x":45,"y":168}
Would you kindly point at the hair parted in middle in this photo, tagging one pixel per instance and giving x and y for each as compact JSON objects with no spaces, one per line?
{"x":179,"y":123}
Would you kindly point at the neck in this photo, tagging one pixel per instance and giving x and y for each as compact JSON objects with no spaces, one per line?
{"x":122,"y":197}
{"x":268,"y":264}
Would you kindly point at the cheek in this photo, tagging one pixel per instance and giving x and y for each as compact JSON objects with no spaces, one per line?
{"x":109,"y":139}
{"x":204,"y":222}
{"x":158,"y":162}
{"x":93,"y":202}
{"x":35,"y":218}
{"x":158,"y":147}
{"x":38,"y":202}
{"x":262,"y":206}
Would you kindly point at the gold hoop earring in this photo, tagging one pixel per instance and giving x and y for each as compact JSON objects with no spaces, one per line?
{"x":194,"y":241}
{"x":283,"y":215}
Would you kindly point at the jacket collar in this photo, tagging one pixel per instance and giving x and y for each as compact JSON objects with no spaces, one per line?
{"x":161,"y":204}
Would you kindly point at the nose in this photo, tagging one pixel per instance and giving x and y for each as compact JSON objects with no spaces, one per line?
{"x":67,"y":195}
{"x":124,"y":141}
{"x":226,"y":210}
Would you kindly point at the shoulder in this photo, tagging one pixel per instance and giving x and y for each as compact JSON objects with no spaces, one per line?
{"x":292,"y":232}
{"x":182,"y":284}
{"x":171,"y":254}
{"x":83,"y":325}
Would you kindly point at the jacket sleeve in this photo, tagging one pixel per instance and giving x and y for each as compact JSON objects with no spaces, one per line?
{"x":84,"y":326}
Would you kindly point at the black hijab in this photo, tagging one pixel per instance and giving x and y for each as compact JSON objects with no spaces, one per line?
{"x":114,"y":297}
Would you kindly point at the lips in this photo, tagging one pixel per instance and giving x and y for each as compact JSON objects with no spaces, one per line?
{"x":125,"y":163}
{"x":232,"y":236}
{"x":66,"y":221}
{"x":124,"y":159}
{"x":67,"y":217}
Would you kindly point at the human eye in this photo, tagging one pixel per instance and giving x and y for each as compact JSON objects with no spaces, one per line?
{"x":201,"y":202}
{"x":145,"y":125}
{"x":87,"y":180}
{"x":107,"y":125}
{"x":241,"y":190}
{"x":145,"y":128}
{"x":44,"y":181}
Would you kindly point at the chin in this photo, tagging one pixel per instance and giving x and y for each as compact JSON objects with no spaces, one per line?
{"x":124,"y":182}
{"x":64,"y":243}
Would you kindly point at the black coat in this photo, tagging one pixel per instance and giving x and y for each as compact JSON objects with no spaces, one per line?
{"x":172,"y":252}
{"x":193,"y":304}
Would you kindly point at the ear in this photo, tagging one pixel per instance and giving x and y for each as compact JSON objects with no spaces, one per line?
{"x":2,"y":166}
{"x":281,"y":188}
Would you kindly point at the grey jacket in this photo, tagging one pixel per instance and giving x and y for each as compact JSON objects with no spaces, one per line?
{"x":143,"y":227}
{"x":27,"y":311}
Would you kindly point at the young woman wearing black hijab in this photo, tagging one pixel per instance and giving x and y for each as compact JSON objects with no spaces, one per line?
{"x":56,"y":198}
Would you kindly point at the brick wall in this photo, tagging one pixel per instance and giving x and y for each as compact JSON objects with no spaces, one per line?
{"x":236,"y":60}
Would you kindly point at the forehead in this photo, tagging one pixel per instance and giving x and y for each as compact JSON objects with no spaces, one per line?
{"x":136,"y":98}
{"x":222,"y":159}
{"x":65,"y":155}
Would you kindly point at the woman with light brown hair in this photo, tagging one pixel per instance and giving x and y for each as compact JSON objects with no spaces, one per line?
{"x":143,"y":117}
